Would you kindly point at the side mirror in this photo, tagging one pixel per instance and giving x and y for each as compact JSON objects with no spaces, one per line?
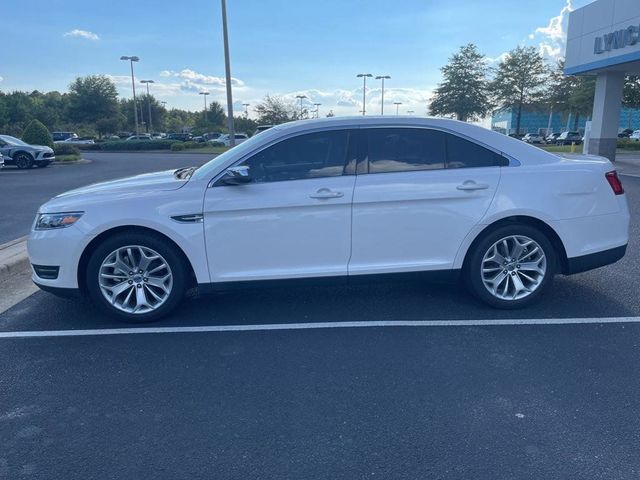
{"x":237,"y":176}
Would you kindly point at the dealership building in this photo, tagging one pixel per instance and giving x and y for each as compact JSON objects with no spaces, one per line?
{"x":603,"y":39}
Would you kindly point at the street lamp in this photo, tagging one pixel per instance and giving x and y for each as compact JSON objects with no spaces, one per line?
{"x":364,"y":90}
{"x":227,"y":73}
{"x":163,"y":103}
{"x":205,"y":105}
{"x":317,"y":105}
{"x":397,"y":104}
{"x":246,"y":109}
{"x":300,"y":97}
{"x":382,"y":77}
{"x":147,"y":82}
{"x":133,"y":86}
{"x":409,"y":112}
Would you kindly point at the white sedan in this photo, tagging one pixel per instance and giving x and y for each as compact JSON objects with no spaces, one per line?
{"x":226,"y":139}
{"x":337,"y":197}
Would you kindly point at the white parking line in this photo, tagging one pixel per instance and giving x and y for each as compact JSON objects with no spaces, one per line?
{"x":317,"y":325}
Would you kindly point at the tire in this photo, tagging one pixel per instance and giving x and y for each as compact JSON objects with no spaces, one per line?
{"x":161,"y":290}
{"x":482,"y":270}
{"x":23,"y":160}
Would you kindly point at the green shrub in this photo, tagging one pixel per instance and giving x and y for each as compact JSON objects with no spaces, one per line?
{"x":178,"y":146}
{"x":628,"y":144}
{"x":65,"y":149}
{"x":216,"y":144}
{"x":136,"y":145}
{"x":89,"y":146}
{"x":37,"y":134}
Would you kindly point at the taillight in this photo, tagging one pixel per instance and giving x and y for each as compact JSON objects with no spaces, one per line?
{"x":614,"y":181}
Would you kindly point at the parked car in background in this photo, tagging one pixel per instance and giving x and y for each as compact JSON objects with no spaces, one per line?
{"x":198,"y":139}
{"x":337,"y":197}
{"x":212,"y":136}
{"x":144,"y":136}
{"x":62,"y":136}
{"x":183,"y":137}
{"x":226,"y":140}
{"x":79,"y":141}
{"x":1,"y":161}
{"x":635,"y":136}
{"x":113,"y":137}
{"x":518,"y":136}
{"x":626,"y":133}
{"x":567,"y":138}
{"x":158,"y":136}
{"x":262,"y":128}
{"x":124,"y":135}
{"x":533,"y":138}
{"x":22,"y":155}
{"x":552,"y":137}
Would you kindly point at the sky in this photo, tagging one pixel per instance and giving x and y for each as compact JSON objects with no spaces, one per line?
{"x":278,"y":47}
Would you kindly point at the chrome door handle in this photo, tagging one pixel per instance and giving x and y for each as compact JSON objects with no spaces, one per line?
{"x":325,"y":193}
{"x":471,"y":185}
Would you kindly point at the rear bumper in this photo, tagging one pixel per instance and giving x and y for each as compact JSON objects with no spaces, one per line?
{"x":594,"y":260}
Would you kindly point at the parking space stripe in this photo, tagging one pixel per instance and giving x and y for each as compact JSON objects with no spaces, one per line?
{"x":316,"y":325}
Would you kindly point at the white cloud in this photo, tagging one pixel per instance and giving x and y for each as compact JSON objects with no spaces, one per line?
{"x":82,"y":34}
{"x":1,"y":79}
{"x":553,"y":37}
{"x":193,"y":79}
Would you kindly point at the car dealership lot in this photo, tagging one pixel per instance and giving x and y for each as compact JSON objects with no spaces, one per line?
{"x":452,"y":401}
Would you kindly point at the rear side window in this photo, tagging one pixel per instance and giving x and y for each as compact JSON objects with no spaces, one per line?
{"x":463,"y":153}
{"x":405,"y":149}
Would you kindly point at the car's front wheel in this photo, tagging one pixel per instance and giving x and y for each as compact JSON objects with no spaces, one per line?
{"x":511,"y":266}
{"x":137,"y":277}
{"x":23,"y":160}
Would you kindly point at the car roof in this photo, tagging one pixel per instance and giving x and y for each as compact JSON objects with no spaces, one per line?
{"x":497,"y":141}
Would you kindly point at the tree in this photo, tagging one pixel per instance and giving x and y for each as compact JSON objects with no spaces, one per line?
{"x":37,"y":134}
{"x":631,"y":96}
{"x":274,"y":110}
{"x":92,"y":98}
{"x":464,"y":90}
{"x":581,"y":98}
{"x":245,"y":125}
{"x":519,"y":80}
{"x":215,"y":120}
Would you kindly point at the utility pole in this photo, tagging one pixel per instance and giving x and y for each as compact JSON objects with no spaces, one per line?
{"x":382,"y":77}
{"x":205,"y":105}
{"x":397,"y":104}
{"x":133,"y":86}
{"x":317,"y":105}
{"x":246,"y":109}
{"x":227,"y":72}
{"x":149,"y":103}
{"x":364,"y":91}
{"x":301,"y":97}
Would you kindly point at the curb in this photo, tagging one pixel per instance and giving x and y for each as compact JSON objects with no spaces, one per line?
{"x":13,"y":257}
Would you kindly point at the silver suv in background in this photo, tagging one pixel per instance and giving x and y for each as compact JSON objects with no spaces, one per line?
{"x":23,"y":155}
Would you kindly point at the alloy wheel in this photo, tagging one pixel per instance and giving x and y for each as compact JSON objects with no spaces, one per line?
{"x":135,"y":279}
{"x":513,"y":267}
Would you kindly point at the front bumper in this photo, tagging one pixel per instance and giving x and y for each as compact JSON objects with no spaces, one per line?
{"x":60,"y":248}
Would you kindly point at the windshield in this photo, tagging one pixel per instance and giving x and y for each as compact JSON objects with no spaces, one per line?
{"x":13,"y":140}
{"x":211,"y":166}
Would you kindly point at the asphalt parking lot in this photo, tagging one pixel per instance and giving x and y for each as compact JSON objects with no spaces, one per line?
{"x":266,"y":387}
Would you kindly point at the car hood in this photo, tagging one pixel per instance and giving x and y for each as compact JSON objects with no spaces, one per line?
{"x":137,"y":184}
{"x":41,"y":147}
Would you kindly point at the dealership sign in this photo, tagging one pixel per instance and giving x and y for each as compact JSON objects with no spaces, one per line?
{"x":616,"y":40}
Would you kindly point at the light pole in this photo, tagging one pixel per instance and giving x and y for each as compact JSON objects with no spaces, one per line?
{"x":409,"y":112}
{"x":246,"y":109}
{"x":317,"y":105}
{"x":133,"y":86}
{"x":364,"y":91}
{"x":397,"y":104}
{"x":300,"y":97}
{"x":149,"y":103}
{"x":227,"y":73}
{"x":382,"y":77}
{"x":205,"y":105}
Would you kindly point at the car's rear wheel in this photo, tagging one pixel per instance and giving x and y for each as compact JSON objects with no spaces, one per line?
{"x":511,"y":266}
{"x":23,"y":160}
{"x":137,"y":277}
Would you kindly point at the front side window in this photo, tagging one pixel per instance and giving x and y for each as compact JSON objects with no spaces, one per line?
{"x":313,"y":155}
{"x":463,"y":153}
{"x":405,"y":149}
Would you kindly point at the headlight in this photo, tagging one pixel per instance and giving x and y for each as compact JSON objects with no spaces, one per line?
{"x":48,"y":221}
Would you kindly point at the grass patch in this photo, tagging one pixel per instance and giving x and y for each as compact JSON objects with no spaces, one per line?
{"x":68,"y":158}
{"x":561,"y":148}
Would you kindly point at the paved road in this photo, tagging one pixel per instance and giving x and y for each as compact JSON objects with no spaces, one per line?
{"x":23,"y":191}
{"x":499,"y":402}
